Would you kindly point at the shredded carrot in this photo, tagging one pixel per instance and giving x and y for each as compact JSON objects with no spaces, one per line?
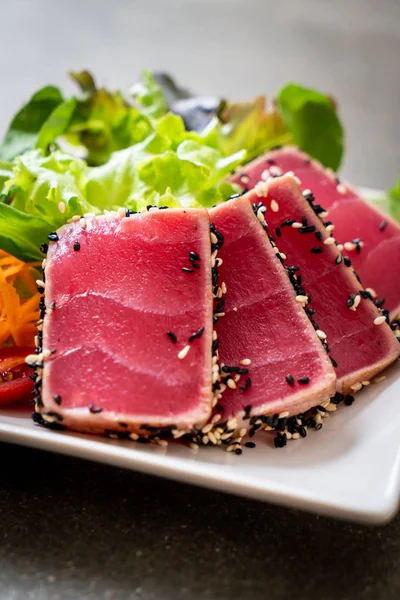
{"x":19,"y":300}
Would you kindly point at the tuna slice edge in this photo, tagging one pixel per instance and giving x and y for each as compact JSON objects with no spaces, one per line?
{"x":376,"y":253}
{"x":284,"y":365}
{"x":123,"y":300}
{"x":361,"y":343}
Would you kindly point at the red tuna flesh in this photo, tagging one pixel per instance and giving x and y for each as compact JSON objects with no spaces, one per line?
{"x":264,"y":323}
{"x":116,"y":296}
{"x":360,"y":347}
{"x":378,"y":260}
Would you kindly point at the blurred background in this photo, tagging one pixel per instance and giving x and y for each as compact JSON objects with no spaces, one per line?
{"x":73,"y":530}
{"x":237,"y":48}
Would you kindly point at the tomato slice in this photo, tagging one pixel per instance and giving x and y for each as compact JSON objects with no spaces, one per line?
{"x":15,"y":383}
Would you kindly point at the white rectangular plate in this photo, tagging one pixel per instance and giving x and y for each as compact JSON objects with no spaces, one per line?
{"x":349,"y":469}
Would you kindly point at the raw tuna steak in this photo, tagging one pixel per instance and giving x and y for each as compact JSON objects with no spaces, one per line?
{"x":284,"y":366}
{"x":129,"y":316}
{"x":376,"y":251}
{"x":360,"y":341}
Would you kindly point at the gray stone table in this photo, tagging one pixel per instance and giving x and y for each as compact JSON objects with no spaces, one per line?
{"x":70,"y":529}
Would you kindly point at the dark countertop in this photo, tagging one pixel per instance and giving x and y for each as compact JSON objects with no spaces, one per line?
{"x":70,"y":529}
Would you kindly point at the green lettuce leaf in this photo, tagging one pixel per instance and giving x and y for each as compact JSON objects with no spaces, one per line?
{"x":169,"y":167}
{"x":394,"y":200}
{"x":312,"y":120}
{"x":149,"y":95}
{"x":51,"y":188}
{"x":21,"y":234}
{"x":25,"y":126}
{"x":169,"y":161}
{"x":247,"y":125}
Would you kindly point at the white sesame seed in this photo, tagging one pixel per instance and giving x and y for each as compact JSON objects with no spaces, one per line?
{"x":223,"y":287}
{"x":204,"y":439}
{"x":379,"y":320}
{"x":321,"y":334}
{"x":323,"y":214}
{"x":341,"y":188}
{"x":260,"y":216}
{"x":297,"y":225}
{"x":340,"y":247}
{"x":366,"y":382}
{"x":219,"y":262}
{"x":212,"y":437}
{"x":329,"y":241}
{"x":194,"y":446}
{"x":283,"y":256}
{"x":349,"y":246}
{"x":230,"y":448}
{"x":244,"y":178}
{"x":44,"y":263}
{"x":134,"y":436}
{"x":231,"y":424}
{"x":302,"y":299}
{"x":307,"y":192}
{"x":274,"y":206}
{"x":331,"y":407}
{"x":265,"y":175}
{"x":245,"y":361}
{"x":230,"y":383}
{"x":222,"y":314}
{"x":297,"y":179}
{"x":274,"y":170}
{"x":207,"y":428}
{"x":83,"y":223}
{"x":184,"y":351}
{"x":236,"y":378}
{"x":288,"y":435}
{"x":357,"y":301}
{"x":215,"y":419}
{"x":283,"y":414}
{"x":40,"y":283}
{"x":356,"y":387}
{"x":36,"y":340}
{"x":261,"y":189}
{"x":214,"y":335}
{"x":213,"y":238}
{"x":31,"y":358}
{"x":296,"y":436}
{"x":378,"y":379}
{"x":330,"y":227}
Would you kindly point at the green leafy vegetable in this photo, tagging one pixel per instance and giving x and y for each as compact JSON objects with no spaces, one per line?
{"x":25,"y":127}
{"x":149,"y":95}
{"x":169,"y":167}
{"x":56,"y":123}
{"x":101,"y":150}
{"x":394,"y":200}
{"x":21,"y":234}
{"x":313,"y":122}
{"x":248,"y":125}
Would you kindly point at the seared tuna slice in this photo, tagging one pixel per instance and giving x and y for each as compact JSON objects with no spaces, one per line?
{"x":265,"y":336}
{"x":360,"y":341}
{"x":129,"y":317}
{"x":371,"y":238}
